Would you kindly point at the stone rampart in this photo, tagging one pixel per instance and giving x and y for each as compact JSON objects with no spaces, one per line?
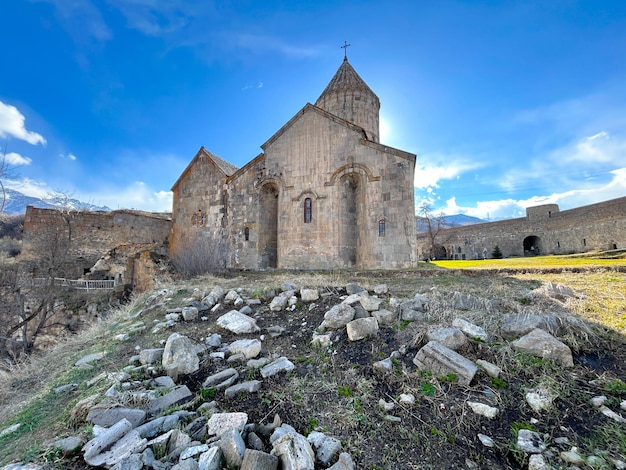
{"x":84,"y":237}
{"x":545,"y":230}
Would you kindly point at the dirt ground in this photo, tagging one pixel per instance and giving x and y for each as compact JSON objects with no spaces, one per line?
{"x":337,"y":390}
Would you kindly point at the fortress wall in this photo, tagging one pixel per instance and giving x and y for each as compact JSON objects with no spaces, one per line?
{"x":85,"y":236}
{"x":599,"y":226}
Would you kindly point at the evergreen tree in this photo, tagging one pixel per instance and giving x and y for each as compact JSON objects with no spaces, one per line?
{"x":496,"y":253}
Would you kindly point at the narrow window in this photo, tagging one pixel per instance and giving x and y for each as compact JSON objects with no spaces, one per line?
{"x":558,"y":244}
{"x":308,"y":210}
{"x":194,"y":219}
{"x":246,"y":233}
{"x":381,"y":228}
{"x":584,"y":242}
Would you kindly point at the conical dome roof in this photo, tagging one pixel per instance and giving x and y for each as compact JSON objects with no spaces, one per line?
{"x":346,"y":79}
{"x":349,"y":97}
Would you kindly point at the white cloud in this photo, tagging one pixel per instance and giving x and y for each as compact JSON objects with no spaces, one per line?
{"x":12,"y":125}
{"x":155,"y":17}
{"x":29,"y":187}
{"x":430,"y":176}
{"x":82,"y":19}
{"x":69,"y":156}
{"x":137,"y":195}
{"x":15,"y":159}
{"x":569,"y":199}
{"x":258,"y":43}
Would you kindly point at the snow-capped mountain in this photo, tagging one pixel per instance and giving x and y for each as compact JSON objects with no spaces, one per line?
{"x":16,"y":203}
{"x":448,"y":221}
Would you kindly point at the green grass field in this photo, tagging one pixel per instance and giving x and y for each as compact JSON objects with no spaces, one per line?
{"x":602,"y":281}
{"x":537,"y":262}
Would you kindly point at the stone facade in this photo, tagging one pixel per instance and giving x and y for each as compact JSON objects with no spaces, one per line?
{"x":86,"y":236}
{"x":545,"y":230}
{"x":323,"y":194}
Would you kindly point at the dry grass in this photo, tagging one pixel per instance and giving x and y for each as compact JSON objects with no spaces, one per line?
{"x":335,"y":391}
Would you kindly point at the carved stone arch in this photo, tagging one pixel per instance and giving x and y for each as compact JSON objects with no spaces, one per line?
{"x":267,"y":247}
{"x":275,"y":180}
{"x":352,"y":167}
{"x":307,"y":193}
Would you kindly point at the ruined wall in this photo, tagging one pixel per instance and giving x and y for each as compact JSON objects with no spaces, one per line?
{"x":85,"y":236}
{"x":544,"y":230}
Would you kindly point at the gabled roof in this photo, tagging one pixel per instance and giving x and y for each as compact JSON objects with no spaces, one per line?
{"x":309,"y":107}
{"x":226,"y":168}
{"x":345,"y":79}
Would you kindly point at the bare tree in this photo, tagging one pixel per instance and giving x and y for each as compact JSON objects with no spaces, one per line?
{"x":30,"y":307}
{"x":434,"y":225}
{"x":6,"y":172}
{"x":63,"y":202}
{"x":201,"y":253}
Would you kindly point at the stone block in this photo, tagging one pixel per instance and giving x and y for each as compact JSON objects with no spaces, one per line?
{"x":257,"y":460}
{"x":542,"y":344}
{"x":452,"y":338}
{"x":282,"y":364}
{"x":222,"y":379}
{"x":362,"y":328}
{"x":177,"y":396}
{"x":219,"y":423}
{"x":237,"y":323}
{"x":250,"y":348}
{"x":440,"y":361}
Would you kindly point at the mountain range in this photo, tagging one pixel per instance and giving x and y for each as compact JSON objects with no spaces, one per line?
{"x":447,"y":221}
{"x":16,"y":202}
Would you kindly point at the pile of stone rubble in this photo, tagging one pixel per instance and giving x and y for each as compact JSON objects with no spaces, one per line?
{"x":170,"y":427}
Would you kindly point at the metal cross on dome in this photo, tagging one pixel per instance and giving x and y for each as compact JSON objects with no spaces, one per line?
{"x":345,"y":49}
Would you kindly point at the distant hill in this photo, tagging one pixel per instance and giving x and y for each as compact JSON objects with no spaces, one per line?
{"x":16,"y":203}
{"x":448,"y":221}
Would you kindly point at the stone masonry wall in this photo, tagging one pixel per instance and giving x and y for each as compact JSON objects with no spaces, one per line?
{"x":599,"y":226}
{"x":87,"y":235}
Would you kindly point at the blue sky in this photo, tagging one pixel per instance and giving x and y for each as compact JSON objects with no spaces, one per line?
{"x":507,"y":104}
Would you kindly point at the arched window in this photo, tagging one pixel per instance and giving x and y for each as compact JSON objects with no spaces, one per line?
{"x":246,"y":234}
{"x":308,"y":210}
{"x":381,"y":228}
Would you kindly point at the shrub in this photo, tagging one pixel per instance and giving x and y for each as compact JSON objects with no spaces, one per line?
{"x":10,"y":246}
{"x":201,"y":254}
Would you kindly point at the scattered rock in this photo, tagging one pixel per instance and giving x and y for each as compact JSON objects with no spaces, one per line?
{"x":362,"y":328}
{"x":238,"y":323}
{"x":219,"y":423}
{"x":338,"y":316}
{"x":440,"y":361}
{"x":250,"y":348}
{"x":180,"y":355}
{"x":309,"y":295}
{"x":451,"y":338}
{"x":542,"y":344}
{"x":278,"y":366}
{"x":492,"y":370}
{"x":470,"y":330}
{"x":530,"y":442}
{"x":483,"y":410}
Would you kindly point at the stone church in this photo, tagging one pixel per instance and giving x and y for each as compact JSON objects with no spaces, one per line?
{"x":323,"y":194}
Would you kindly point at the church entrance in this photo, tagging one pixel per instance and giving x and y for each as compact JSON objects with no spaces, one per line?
{"x":349,"y":220}
{"x":268,"y":226}
{"x":532,"y":246}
